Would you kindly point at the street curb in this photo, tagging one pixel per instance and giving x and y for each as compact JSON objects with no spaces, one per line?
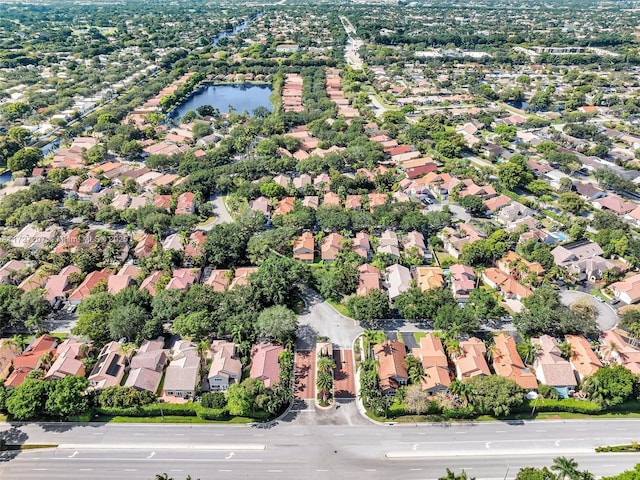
{"x":356,"y":373}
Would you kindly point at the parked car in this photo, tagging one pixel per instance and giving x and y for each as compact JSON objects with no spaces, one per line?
{"x":614,"y":301}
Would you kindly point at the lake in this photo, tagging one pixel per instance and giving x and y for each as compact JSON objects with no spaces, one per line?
{"x":240,"y":97}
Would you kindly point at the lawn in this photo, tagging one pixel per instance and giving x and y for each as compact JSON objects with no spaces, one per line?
{"x":418,"y":335}
{"x":342,"y":309}
{"x":442,"y":257}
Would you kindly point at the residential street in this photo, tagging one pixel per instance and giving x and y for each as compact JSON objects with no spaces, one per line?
{"x":486,"y":450}
{"x":220,"y":210}
{"x":321,"y":319}
{"x":607,"y":316}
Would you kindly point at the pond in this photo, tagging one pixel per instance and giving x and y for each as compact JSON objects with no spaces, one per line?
{"x":234,"y":30}
{"x":238,"y":97}
{"x":520,"y":105}
{"x":5,"y":177}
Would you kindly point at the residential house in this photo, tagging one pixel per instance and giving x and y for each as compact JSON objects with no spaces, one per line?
{"x":145,"y":246}
{"x":109,"y":368}
{"x":304,"y":247}
{"x":89,"y":186}
{"x":470,"y":188}
{"x":173,"y":242}
{"x":242,"y":276}
{"x":615,"y":349}
{"x":369,"y":279}
{"x":514,"y":264}
{"x":582,"y":259}
{"x":513,"y":212}
{"x":186,"y":204}
{"x":262,"y":205}
{"x":414,"y":242}
{"x":435,"y":364}
{"x":507,"y":362}
{"x":389,"y":244}
{"x":398,"y":280}
{"x":68,"y":360}
{"x":302,"y":181}
{"x":219,"y":279}
{"x":588,"y":191}
{"x":614,"y":204}
{"x":331,"y":247}
{"x":117,"y":283}
{"x":183,"y":373}
{"x":353,"y":202}
{"x":627,"y":290}
{"x":496,"y":203}
{"x":376,"y":199}
{"x":554,"y":178}
{"x":583,"y":359}
{"x":183,"y":278}
{"x":8,"y":352}
{"x":149,"y":284}
{"x":428,"y":278}
{"x":147,"y":366}
{"x":551,"y":369}
{"x":392,"y":371}
{"x":463,"y":280}
{"x":7,"y":270}
{"x":470,"y":362}
{"x":264,"y":363}
{"x":362,"y":245}
{"x":508,"y":285}
{"x":311,"y":201}
{"x":285,"y":206}
{"x":457,"y":237}
{"x":31,"y":359}
{"x":58,"y":286}
{"x":226,"y":367}
{"x":331,"y":200}
{"x":87,"y":285}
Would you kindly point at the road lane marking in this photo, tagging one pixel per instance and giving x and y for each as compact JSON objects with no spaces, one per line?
{"x":540,"y":431}
{"x":86,"y":469}
{"x":39,"y":469}
{"x":621,"y":429}
{"x":176,"y":470}
{"x":322,"y":470}
{"x":130,"y":469}
{"x":500,"y":431}
{"x":415,"y":469}
{"x":179,"y":434}
{"x":338,"y":434}
{"x":370,"y":470}
{"x":225,"y":470}
{"x":274,"y":471}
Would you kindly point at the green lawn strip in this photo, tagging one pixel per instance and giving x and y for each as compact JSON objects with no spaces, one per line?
{"x":342,"y":309}
{"x":172,"y":419}
{"x":417,"y":336}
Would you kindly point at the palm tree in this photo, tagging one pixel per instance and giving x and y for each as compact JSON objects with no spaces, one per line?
{"x":460,"y":389}
{"x":566,"y":350}
{"x":46,"y":359}
{"x":324,"y":382}
{"x":567,"y":468}
{"x":325,"y":364}
{"x":126,"y":349}
{"x":202,"y":349}
{"x":529,"y":351}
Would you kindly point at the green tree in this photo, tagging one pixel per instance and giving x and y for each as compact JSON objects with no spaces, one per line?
{"x":515,"y":173}
{"x":372,"y":306}
{"x":530,"y":473}
{"x":572,"y":203}
{"x":611,"y":385}
{"x":27,"y":401}
{"x":566,"y":468}
{"x":473,"y":204}
{"x":453,"y":476}
{"x":494,"y":395}
{"x":277,"y":323}
{"x":24,"y":159}
{"x":241,"y":397}
{"x":67,"y":397}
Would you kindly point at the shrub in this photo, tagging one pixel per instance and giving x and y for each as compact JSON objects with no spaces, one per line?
{"x":571,"y":405}
{"x":548,"y":392}
{"x":213,"y":400}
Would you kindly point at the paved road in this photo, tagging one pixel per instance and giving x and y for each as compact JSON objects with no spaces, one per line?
{"x":322,"y":319}
{"x":287,"y":450}
{"x":305,"y":374}
{"x":344,"y":375}
{"x":220,"y":210}
{"x":607,"y":316}
{"x":457,"y":212}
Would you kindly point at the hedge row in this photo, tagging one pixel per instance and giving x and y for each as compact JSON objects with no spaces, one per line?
{"x":570,"y":405}
{"x":172,"y":409}
{"x":634,"y":447}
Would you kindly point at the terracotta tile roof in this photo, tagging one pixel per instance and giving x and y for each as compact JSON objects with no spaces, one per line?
{"x":507,"y":362}
{"x":264,"y":363}
{"x":391,"y":368}
{"x":583,"y":358}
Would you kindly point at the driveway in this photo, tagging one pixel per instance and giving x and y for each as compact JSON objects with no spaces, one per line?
{"x":606,"y":315}
{"x":457,"y":211}
{"x":321,"y":319}
{"x":220,"y":210}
